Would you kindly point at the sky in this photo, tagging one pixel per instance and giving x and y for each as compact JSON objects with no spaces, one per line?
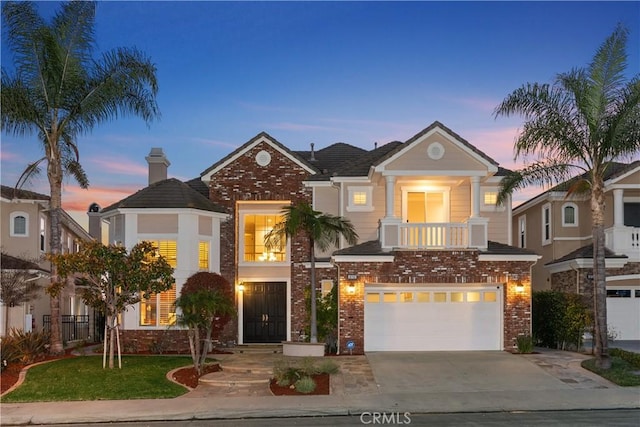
{"x":322,"y":72}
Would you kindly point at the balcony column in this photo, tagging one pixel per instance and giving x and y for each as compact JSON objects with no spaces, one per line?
{"x":618,"y":208}
{"x":390,"y":196}
{"x":475,"y":196}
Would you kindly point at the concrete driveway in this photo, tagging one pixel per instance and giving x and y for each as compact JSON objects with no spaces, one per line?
{"x":465,"y":371}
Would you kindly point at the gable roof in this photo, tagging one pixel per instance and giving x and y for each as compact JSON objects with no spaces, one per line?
{"x":330,"y":159}
{"x":261,"y":137}
{"x":11,"y":193}
{"x":168,"y":193}
{"x":585,"y":252}
{"x":463,"y":143}
{"x":614,"y":170}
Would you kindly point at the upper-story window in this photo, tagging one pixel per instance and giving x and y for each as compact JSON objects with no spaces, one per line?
{"x":43,"y":230}
{"x":203,"y":256}
{"x":255,"y":228}
{"x":522,"y":232}
{"x":546,"y":224}
{"x":360,"y":199}
{"x":168,"y":249}
{"x":631,"y":214}
{"x":19,"y":224}
{"x":489,"y":200}
{"x":569,"y":215}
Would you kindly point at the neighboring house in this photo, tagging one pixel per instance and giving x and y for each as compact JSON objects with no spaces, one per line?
{"x":24,"y":239}
{"x":558,"y":227}
{"x":433,"y":269}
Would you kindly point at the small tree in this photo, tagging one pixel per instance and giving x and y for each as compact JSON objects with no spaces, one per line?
{"x":206,"y":302}
{"x":17,"y":287}
{"x":111,"y":279}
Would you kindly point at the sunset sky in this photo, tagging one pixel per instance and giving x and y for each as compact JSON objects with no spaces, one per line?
{"x":322,"y":72}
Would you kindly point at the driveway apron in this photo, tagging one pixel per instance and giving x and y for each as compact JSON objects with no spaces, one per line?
{"x":469,"y":371}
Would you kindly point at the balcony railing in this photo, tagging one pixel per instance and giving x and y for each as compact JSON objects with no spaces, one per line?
{"x":624,"y":241}
{"x":433,"y":235}
{"x":437,"y":235}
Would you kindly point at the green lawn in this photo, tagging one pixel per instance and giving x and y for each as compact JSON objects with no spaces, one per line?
{"x":622,"y":372}
{"x":82,"y":378}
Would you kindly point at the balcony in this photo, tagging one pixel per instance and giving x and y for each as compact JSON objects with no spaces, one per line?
{"x":624,"y":241}
{"x":395,"y":234}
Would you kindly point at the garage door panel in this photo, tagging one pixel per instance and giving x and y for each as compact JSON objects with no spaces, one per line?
{"x":623,"y":312}
{"x":433,"y":326}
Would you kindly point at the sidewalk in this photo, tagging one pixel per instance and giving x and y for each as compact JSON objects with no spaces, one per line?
{"x":567,"y":387}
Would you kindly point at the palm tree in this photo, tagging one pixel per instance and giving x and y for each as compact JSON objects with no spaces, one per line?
{"x":587,"y":119}
{"x":321,"y":230}
{"x":59,"y":92}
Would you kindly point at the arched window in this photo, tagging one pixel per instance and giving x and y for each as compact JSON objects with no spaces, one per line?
{"x":569,"y":215}
{"x":19,"y":224}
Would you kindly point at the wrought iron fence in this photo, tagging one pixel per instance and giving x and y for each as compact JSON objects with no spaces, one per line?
{"x":74,"y":327}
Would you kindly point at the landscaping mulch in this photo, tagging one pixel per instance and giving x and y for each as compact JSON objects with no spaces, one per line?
{"x":322,"y":387}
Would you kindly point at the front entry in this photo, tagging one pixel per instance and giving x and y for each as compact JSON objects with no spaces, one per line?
{"x":264,"y":312}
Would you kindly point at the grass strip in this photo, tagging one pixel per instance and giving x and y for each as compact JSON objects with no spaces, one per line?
{"x":621,"y":373}
{"x":82,"y":378}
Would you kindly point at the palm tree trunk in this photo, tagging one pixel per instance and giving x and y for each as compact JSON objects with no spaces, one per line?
{"x":599,"y":277}
{"x":314,"y":322}
{"x":54,"y":173}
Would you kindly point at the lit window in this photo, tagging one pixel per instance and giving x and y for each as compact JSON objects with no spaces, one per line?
{"x":423,"y":296}
{"x":406,"y":296}
{"x":569,"y":215}
{"x":168,"y":249}
{"x":360,"y":199}
{"x":256,"y":227}
{"x":203,"y":256}
{"x":473,"y":296}
{"x":159,"y":309}
{"x":457,"y":296}
{"x":439,"y":297}
{"x":389,"y":297}
{"x":19,"y":224}
{"x":373,"y":297}
{"x":546,"y":224}
{"x":490,"y":197}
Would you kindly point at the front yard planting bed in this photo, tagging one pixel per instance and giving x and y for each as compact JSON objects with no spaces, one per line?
{"x":82,"y":378}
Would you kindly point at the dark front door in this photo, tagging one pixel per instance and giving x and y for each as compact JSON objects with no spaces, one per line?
{"x":264,"y":312}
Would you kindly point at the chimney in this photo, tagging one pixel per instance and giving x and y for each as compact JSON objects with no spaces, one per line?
{"x":375,"y":145}
{"x":313,"y":153}
{"x":158,"y":165}
{"x":95,"y":222}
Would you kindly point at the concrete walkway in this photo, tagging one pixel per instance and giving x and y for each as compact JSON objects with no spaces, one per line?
{"x":379,"y":382}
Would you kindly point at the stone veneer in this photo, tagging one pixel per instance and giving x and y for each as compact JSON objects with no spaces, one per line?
{"x":452,"y":267}
{"x":150,"y":340}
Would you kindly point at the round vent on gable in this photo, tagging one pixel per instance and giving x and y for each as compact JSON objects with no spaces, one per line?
{"x":435,"y":151}
{"x":263,"y":158}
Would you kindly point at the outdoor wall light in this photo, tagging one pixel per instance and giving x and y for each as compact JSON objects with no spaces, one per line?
{"x":519,"y":287}
{"x":241,"y":287}
{"x":351,"y":288}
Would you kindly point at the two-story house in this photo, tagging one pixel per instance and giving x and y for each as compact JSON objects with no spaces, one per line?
{"x":24,"y":239}
{"x":433,"y":269}
{"x":558,"y":227}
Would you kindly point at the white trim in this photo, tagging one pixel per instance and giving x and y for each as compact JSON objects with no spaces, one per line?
{"x":506,"y":257}
{"x":571,"y":239}
{"x":612,"y":181}
{"x":630,"y":199}
{"x":584,"y":263}
{"x":447,"y":136}
{"x":12,"y":218}
{"x":362,"y":258}
{"x":151,"y":211}
{"x":433,"y":173}
{"x":446,"y":197}
{"x":368,"y":206}
{"x":575,"y":214}
{"x":206,"y":176}
{"x":321,"y":264}
{"x":624,"y":277}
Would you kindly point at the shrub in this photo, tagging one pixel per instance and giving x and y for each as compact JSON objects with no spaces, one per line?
{"x":559,"y":319}
{"x":24,"y":347}
{"x":629,"y":356}
{"x":305,"y":385}
{"x":525,"y":344}
{"x":328,"y":367}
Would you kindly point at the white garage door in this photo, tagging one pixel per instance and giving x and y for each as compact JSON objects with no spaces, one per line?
{"x":623,"y":312}
{"x":433,"y":319}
